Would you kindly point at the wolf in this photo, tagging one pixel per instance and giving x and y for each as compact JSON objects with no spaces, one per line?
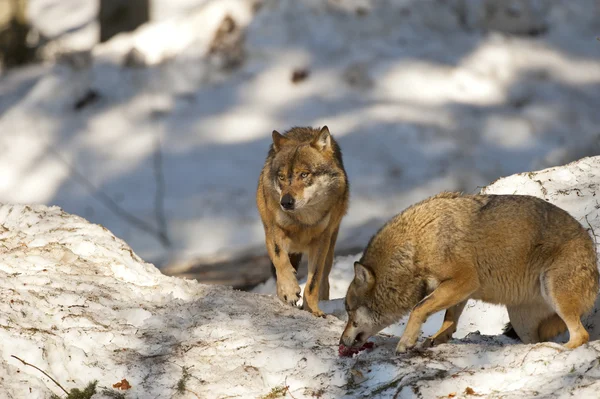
{"x":302,"y":196}
{"x":516,"y":250}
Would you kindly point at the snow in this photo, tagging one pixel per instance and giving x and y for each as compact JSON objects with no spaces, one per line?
{"x":418,"y":101}
{"x":81,"y":305}
{"x":421,"y":99}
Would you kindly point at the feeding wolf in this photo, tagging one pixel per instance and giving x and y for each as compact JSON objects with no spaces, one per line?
{"x":518,"y":251}
{"x":302,"y":195}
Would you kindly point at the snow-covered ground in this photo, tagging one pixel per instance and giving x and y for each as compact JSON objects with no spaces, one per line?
{"x":167,"y":155}
{"x":80,"y":305}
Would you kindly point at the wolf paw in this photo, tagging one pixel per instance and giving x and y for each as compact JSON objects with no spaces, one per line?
{"x":403,"y":347}
{"x":288,"y":291}
{"x":435,"y":341}
{"x":315,"y":311}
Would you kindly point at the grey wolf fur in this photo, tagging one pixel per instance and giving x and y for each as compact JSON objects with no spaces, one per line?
{"x":519,"y":251}
{"x":302,"y":195}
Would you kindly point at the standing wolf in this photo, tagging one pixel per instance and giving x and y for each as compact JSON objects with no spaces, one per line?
{"x":515,"y":250}
{"x":302,"y":196}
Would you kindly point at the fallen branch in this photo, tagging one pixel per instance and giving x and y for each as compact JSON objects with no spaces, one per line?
{"x":41,"y":371}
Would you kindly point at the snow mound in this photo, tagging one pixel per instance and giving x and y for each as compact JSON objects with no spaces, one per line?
{"x":79,"y":304}
{"x":572,"y":187}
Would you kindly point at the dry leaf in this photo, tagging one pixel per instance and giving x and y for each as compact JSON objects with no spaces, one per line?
{"x":299,"y":75}
{"x":122,"y":385}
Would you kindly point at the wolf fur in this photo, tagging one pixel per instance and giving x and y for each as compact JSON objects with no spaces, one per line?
{"x":518,"y":251}
{"x":302,"y":195}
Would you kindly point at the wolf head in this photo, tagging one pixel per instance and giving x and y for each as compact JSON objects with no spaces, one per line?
{"x":304,"y":172}
{"x":366,"y":315}
{"x":380,"y":296}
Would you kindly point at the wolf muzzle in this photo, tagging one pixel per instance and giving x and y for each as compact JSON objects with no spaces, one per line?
{"x":352,"y":338}
{"x":287,"y":202}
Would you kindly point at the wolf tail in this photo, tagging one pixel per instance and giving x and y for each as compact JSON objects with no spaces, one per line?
{"x":510,"y":332}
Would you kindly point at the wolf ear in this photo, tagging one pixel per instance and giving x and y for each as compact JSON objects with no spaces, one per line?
{"x":279,"y":140}
{"x":323,"y":140}
{"x":363,"y":274}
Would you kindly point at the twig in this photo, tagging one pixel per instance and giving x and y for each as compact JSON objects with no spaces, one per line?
{"x":287,"y":388}
{"x":159,"y":198}
{"x":552,"y":345}
{"x":416,"y":379}
{"x":556,"y":347}
{"x":108,"y":202}
{"x":401,"y":387}
{"x":593,"y":364}
{"x":40,"y":370}
{"x":593,"y":232}
{"x":525,"y":357}
{"x":189,"y":390}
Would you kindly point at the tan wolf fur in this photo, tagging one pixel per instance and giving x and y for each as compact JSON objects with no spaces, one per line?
{"x":519,"y":251}
{"x":302,"y":195}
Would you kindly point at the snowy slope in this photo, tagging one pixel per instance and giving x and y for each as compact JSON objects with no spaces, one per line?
{"x":81,"y":305}
{"x":419,"y":101}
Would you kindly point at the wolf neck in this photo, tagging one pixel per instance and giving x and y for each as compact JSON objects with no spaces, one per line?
{"x":402,"y":283}
{"x":308,"y":217}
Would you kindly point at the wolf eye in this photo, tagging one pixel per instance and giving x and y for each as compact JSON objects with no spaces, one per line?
{"x":304,"y":175}
{"x":280,"y":176}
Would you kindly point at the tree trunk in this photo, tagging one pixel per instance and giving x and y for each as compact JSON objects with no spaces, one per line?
{"x":118,"y":16}
{"x":13,"y":33}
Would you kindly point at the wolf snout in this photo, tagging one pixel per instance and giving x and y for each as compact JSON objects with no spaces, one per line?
{"x":287,"y":202}
{"x":346,"y":341}
{"x":350,"y":341}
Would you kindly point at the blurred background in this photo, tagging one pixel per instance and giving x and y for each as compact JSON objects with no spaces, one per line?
{"x":153,"y":117}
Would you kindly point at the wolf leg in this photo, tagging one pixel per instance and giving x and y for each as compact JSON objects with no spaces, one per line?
{"x":317,"y":255}
{"x":551,"y":327}
{"x":569,"y":308}
{"x":324,"y":289}
{"x":570,"y":286}
{"x":295,"y":260}
{"x":449,"y":293}
{"x":448,"y":326}
{"x":288,"y":289}
{"x":578,"y":335}
{"x":526,"y":318}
